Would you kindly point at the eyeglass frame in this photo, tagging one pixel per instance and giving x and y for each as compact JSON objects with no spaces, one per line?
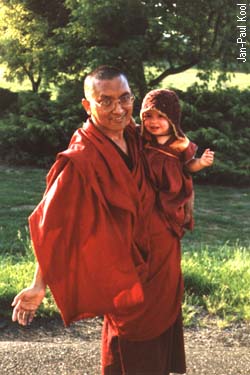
{"x":111,"y":106}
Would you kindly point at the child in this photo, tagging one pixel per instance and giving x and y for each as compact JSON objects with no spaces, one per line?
{"x":170,"y":155}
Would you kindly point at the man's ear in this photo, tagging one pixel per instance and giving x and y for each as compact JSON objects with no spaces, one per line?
{"x":86,"y":105}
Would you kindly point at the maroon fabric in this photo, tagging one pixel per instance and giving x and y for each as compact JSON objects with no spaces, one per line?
{"x":174,"y":187}
{"x":163,"y":288}
{"x":158,"y":356}
{"x":89,"y":231}
{"x":167,"y":161}
{"x":100,"y":247}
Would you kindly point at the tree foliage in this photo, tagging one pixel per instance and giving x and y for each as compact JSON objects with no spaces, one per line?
{"x":61,"y":39}
{"x":22,"y":42}
{"x":170,"y":36}
{"x":27,"y":40}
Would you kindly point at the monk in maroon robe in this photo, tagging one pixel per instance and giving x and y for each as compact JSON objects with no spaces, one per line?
{"x":101,"y":245}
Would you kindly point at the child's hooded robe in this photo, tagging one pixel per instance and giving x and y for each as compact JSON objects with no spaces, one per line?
{"x":167,"y":161}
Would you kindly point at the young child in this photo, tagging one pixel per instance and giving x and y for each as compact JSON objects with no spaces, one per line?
{"x":171,"y":156}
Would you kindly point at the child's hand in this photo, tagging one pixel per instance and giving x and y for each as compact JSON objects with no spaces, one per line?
{"x":180,"y":145}
{"x":207,"y":158}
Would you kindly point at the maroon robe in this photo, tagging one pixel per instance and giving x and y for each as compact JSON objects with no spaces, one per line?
{"x":173,"y":185}
{"x":88,"y":231}
{"x":101,"y":246}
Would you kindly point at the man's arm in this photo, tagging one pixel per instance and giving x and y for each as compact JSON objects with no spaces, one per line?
{"x":197,"y":164}
{"x":28,"y":300}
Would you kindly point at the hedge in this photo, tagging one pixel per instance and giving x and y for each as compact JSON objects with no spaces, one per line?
{"x":35,"y":128}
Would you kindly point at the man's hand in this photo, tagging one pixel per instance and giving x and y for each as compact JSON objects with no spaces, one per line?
{"x":26,"y":303}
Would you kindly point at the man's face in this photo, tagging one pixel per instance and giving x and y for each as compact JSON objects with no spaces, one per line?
{"x":115,"y":116}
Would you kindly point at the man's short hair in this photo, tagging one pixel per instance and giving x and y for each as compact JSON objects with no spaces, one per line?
{"x":103,"y":72}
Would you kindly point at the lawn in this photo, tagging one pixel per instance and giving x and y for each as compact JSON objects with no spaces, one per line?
{"x":21,"y":189}
{"x":222,"y":216}
{"x":216,"y":256}
{"x":183,"y":80}
{"x":180,"y":81}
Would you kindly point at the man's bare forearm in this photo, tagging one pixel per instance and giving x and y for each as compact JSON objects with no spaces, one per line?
{"x":38,"y":281}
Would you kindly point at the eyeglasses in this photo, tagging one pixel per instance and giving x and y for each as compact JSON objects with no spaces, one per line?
{"x":108,"y":104}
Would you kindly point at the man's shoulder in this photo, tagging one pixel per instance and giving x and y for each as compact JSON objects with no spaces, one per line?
{"x":79,"y":147}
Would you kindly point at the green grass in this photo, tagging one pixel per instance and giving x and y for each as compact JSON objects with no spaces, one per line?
{"x":183,"y":80}
{"x":217,"y":282}
{"x":21,"y":189}
{"x":221,"y":215}
{"x":16,"y":275}
{"x":180,"y":81}
{"x":216,"y":256}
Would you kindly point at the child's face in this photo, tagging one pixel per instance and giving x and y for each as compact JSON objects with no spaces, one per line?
{"x":155,"y":123}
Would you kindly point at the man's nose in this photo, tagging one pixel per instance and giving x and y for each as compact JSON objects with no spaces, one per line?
{"x":118,"y":107}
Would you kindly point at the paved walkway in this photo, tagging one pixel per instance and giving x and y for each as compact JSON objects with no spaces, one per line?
{"x":50,"y":349}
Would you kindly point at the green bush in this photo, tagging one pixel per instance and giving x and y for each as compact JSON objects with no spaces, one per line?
{"x":8,"y":100}
{"x":219,"y":120}
{"x":37,"y":128}
{"x":26,"y":140}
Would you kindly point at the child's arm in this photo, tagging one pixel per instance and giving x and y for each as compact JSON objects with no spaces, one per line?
{"x":197,"y":164}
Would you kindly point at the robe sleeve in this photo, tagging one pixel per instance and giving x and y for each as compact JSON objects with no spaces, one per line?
{"x":189,"y":153}
{"x":82,"y":257}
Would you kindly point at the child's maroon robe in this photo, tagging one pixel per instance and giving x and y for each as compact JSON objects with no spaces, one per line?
{"x":100,"y":248}
{"x":173,"y":185}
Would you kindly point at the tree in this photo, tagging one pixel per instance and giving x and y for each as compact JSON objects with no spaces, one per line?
{"x":170,"y":36}
{"x":27,"y":39}
{"x":71,"y":37}
{"x":22,"y":43}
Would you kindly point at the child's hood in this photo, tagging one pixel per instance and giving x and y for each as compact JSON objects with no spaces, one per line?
{"x":166,"y":102}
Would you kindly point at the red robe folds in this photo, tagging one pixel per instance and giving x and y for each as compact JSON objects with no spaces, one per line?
{"x":101,"y":248}
{"x":174,"y":186}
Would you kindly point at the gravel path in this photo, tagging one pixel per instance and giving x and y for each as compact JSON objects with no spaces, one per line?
{"x":47,"y":348}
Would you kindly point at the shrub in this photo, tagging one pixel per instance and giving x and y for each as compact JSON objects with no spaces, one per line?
{"x":37,"y":128}
{"x":219,"y":120}
{"x":8,"y":100}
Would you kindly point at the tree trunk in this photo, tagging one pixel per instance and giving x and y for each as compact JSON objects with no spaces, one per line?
{"x":173,"y":70}
{"x":140,"y":81}
{"x":35,"y":83}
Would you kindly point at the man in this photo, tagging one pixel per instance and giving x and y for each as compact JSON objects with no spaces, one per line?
{"x":100,"y":244}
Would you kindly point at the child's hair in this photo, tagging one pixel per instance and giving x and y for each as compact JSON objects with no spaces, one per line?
{"x":165,"y":102}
